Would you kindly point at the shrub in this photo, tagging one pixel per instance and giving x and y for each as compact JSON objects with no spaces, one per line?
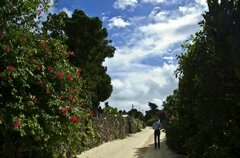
{"x":42,"y":97}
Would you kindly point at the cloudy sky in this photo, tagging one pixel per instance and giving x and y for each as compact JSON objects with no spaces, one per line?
{"x":147,"y":35}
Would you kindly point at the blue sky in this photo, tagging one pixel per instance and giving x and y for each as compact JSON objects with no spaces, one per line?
{"x":147,"y":35}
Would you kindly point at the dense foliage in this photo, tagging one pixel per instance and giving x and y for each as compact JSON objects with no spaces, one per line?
{"x":44,"y":102}
{"x":87,"y":38}
{"x":203,"y":119}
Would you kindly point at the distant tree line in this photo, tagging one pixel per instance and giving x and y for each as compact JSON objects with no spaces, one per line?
{"x":150,"y":116}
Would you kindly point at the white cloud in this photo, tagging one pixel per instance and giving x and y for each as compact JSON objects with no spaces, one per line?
{"x":143,"y":67}
{"x":104,"y":18}
{"x":117,"y":22}
{"x":141,"y":85}
{"x":68,"y":12}
{"x":201,"y":2}
{"x":123,"y":4}
{"x":168,"y":58}
{"x":152,"y":1}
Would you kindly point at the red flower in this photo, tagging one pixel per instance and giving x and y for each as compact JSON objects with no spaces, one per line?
{"x":43,"y":44}
{"x":47,"y":91}
{"x":8,"y":49}
{"x":17,"y":124}
{"x":50,"y":69}
{"x":40,"y":81}
{"x":60,"y":96}
{"x":10,"y":68}
{"x":78,"y":119}
{"x":59,"y":75}
{"x":81,"y":104}
{"x":64,"y":110}
{"x":70,"y":89}
{"x":73,"y":118}
{"x":24,"y":39}
{"x":69,"y":77}
{"x":173,"y":118}
{"x":91,"y":93}
{"x":48,"y":50}
{"x":91,"y":113}
{"x":63,"y":48}
{"x":19,"y":150}
{"x":78,"y":73}
{"x":38,"y":67}
{"x":79,"y":89}
{"x":71,"y":106}
{"x":35,"y":100}
{"x":32,"y":59}
{"x":72,"y":53}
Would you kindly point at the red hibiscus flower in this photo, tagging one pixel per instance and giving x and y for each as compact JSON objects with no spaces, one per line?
{"x":47,"y":91}
{"x":35,"y":100}
{"x":72,"y":53}
{"x":69,"y":77}
{"x":59,"y":75}
{"x":17,"y":124}
{"x":50,"y":69}
{"x":73,"y":118}
{"x":43,"y":44}
{"x":71,"y":106}
{"x":91,"y":113}
{"x":173,"y":118}
{"x":64,"y":110}
{"x":32,"y":59}
{"x":10,"y":68}
{"x":81,"y":104}
{"x":38,"y":67}
{"x":78,"y":119}
{"x":78,"y":73}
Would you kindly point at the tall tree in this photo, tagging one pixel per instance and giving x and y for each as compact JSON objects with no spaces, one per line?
{"x":207,"y":101}
{"x":86,"y":37}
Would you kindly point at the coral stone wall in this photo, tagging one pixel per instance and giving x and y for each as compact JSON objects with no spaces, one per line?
{"x":112,"y":128}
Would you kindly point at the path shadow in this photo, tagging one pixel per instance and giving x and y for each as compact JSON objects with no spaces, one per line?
{"x":164,"y":151}
{"x":169,"y":153}
{"x":141,"y":152}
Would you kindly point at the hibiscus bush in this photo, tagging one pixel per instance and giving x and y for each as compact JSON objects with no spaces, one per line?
{"x":43,"y":99}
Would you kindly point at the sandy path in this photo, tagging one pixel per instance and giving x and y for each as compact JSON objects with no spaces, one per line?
{"x":139,"y":145}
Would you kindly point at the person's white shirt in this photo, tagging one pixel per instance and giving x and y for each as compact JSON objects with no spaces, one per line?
{"x":157,"y":125}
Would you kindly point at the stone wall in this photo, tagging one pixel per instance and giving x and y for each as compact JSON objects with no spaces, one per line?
{"x":109,"y":129}
{"x":105,"y":129}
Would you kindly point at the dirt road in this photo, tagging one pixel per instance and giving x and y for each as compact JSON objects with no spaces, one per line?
{"x":139,"y":145}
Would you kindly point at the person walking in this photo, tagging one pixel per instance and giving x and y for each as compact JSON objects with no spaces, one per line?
{"x":157,"y":126}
